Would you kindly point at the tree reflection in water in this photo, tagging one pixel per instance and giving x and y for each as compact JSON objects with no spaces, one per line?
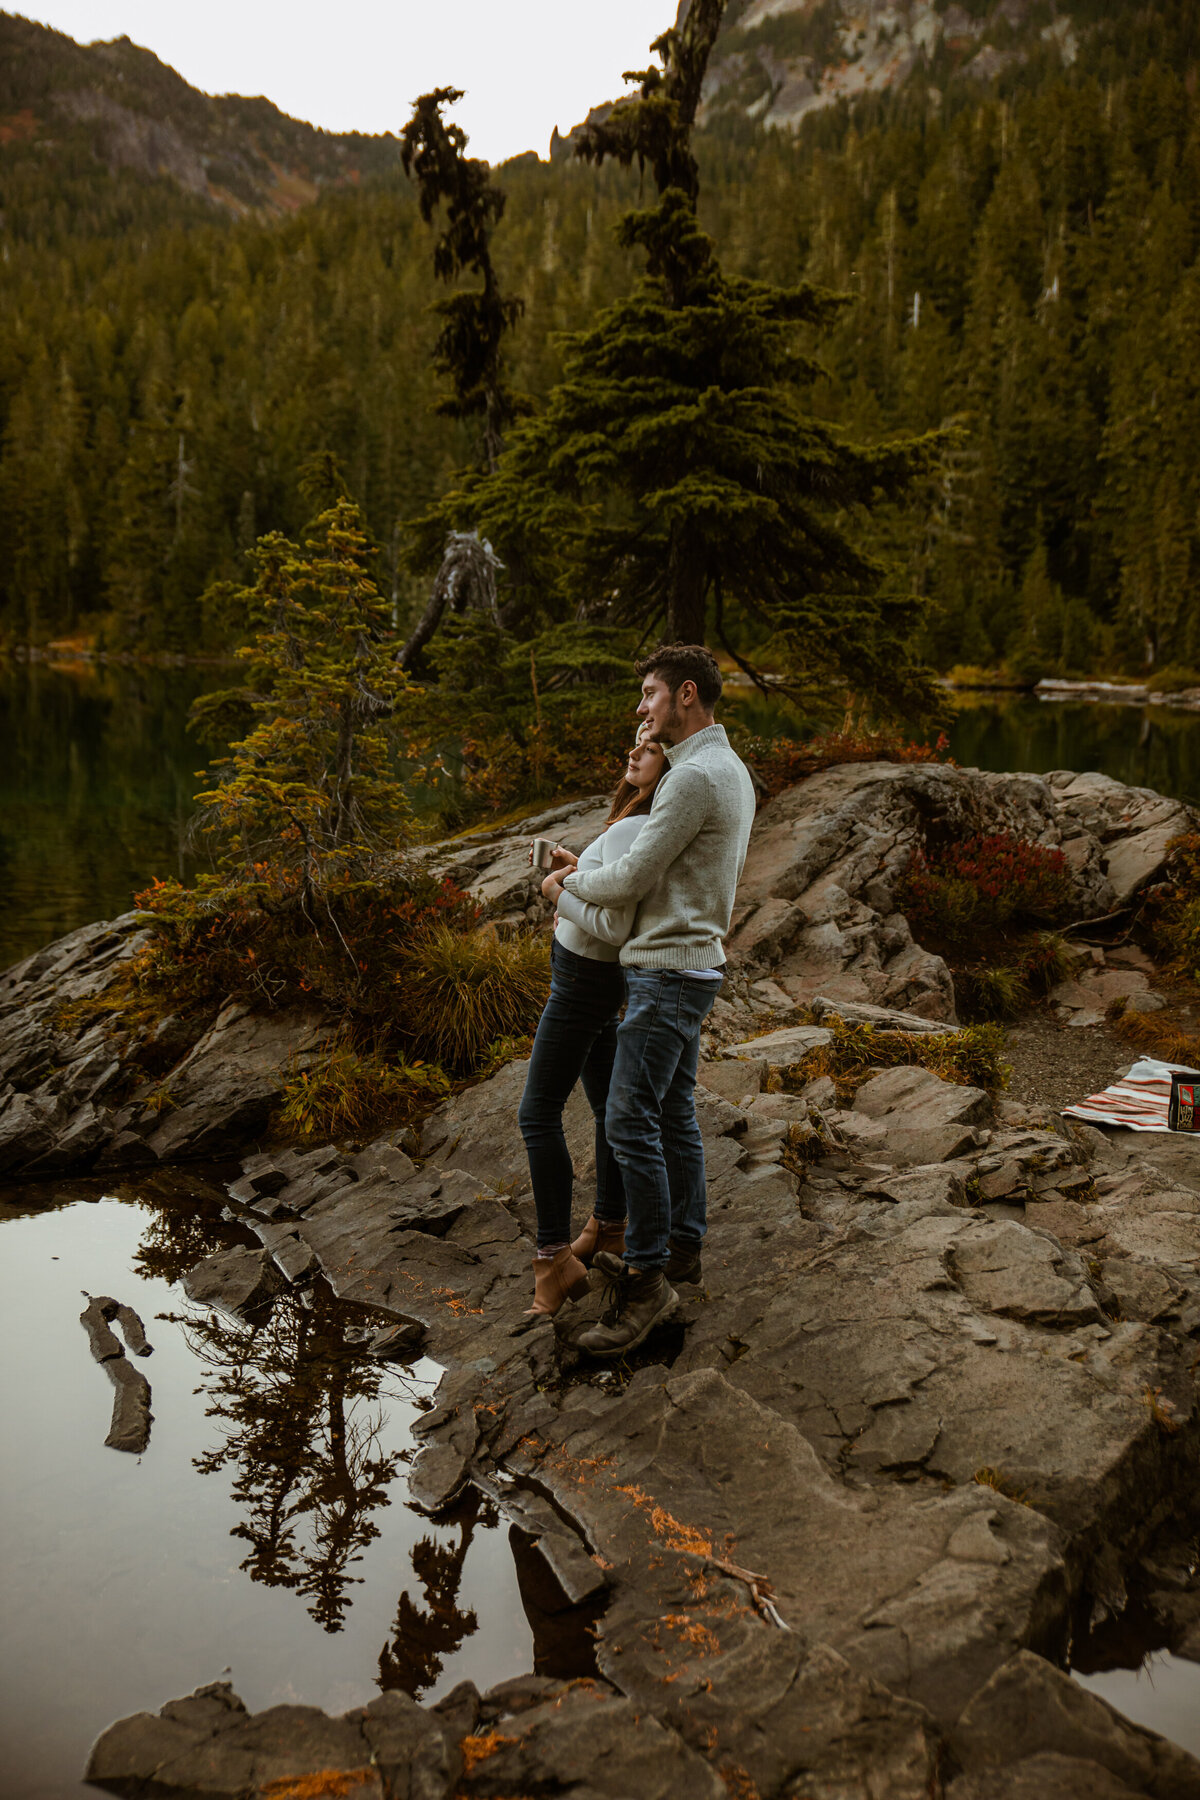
{"x":301,"y":1414}
{"x":423,"y":1636}
{"x":301,"y":1424}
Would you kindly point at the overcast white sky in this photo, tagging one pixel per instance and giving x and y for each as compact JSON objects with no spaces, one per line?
{"x":356,"y":65}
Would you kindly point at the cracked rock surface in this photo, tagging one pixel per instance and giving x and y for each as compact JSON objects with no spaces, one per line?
{"x":922,"y":1417}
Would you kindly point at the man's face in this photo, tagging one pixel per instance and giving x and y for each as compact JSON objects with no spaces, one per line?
{"x":658,"y":708}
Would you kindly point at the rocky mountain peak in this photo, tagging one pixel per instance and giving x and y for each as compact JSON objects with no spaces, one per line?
{"x":779,"y":60}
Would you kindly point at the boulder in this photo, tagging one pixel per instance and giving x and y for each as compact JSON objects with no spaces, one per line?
{"x":223,"y":1091}
{"x":131,"y":1416}
{"x":239,"y":1280}
{"x":209,"y":1744}
{"x":1029,"y":1708}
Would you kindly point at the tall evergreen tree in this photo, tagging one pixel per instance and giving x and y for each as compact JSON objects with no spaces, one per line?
{"x":674,"y":475}
{"x":469,"y":344}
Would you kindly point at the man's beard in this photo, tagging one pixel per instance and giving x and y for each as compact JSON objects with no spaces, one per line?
{"x":670,"y":725}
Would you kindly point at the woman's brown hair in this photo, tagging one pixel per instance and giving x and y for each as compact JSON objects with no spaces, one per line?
{"x":628,"y":800}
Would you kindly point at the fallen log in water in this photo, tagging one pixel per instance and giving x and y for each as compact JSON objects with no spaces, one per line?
{"x":129,"y":1428}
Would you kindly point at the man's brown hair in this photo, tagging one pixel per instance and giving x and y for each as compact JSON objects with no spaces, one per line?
{"x":677,"y":663}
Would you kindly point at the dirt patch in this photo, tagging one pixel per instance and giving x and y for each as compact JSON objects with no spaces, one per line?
{"x":1055,"y":1064}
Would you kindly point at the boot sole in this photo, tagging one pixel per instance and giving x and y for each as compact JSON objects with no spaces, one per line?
{"x":692,"y":1278}
{"x":643,"y":1334}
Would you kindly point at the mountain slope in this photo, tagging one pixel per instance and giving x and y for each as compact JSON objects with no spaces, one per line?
{"x":116,"y":107}
{"x":780,"y":61}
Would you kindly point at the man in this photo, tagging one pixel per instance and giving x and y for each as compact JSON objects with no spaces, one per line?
{"x":683,"y":871}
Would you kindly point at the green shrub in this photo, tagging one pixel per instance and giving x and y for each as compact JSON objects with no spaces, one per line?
{"x":219,"y":941}
{"x":463,"y":992}
{"x":1003,"y":990}
{"x":992,"y":993}
{"x":1173,"y":908}
{"x":345,"y":1092}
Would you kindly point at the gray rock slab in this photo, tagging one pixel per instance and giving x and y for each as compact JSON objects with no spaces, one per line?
{"x":238,"y":1280}
{"x":1029,"y":1708}
{"x":217,"y":1749}
{"x":133,"y":1331}
{"x":735,"y":1079}
{"x":922,"y":1098}
{"x":941,"y":1184}
{"x":223,"y":1091}
{"x":1044,"y":1777}
{"x":881,"y":1018}
{"x":781,"y":1048}
{"x":94,"y":1318}
{"x":131,"y":1416}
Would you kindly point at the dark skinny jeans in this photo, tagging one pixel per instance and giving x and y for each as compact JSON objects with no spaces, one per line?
{"x":576,"y":1040}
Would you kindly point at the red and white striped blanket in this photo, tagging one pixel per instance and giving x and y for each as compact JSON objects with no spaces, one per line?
{"x":1138,"y":1102}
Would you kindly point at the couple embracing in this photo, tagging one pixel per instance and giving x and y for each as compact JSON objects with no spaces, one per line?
{"x":641,"y":918}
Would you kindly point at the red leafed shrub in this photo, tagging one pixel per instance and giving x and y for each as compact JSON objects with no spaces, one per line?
{"x":219,"y":941}
{"x":780,"y":762}
{"x":980,"y":884}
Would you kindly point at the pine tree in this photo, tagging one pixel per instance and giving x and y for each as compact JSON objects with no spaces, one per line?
{"x":469,"y":345}
{"x":310,"y":789}
{"x":674,"y":476}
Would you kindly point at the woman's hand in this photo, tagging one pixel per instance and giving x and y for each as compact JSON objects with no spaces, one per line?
{"x":551,"y":889}
{"x":563,"y":860}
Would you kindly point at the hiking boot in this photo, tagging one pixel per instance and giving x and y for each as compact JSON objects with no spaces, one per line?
{"x":683,"y":1264}
{"x":597,"y":1235}
{"x":556,"y":1279}
{"x":637,"y":1300}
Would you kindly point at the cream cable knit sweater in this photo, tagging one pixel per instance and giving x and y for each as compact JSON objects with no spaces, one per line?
{"x":683,"y":868}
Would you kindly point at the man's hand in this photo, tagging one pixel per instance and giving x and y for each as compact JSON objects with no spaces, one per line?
{"x":551,"y":889}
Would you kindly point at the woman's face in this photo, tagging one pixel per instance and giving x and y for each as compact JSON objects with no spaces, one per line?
{"x":644,"y":766}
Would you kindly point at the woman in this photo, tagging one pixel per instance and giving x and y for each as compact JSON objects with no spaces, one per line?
{"x":577,"y":1039}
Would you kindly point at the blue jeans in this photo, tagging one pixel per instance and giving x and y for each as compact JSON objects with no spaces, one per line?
{"x":651,"y":1117}
{"x":576,"y":1040}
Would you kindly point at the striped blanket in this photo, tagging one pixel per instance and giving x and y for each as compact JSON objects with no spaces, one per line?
{"x":1138,"y":1102}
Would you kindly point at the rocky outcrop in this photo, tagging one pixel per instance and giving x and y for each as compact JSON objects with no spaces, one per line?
{"x":817,"y":902}
{"x":845,"y":1510}
{"x":75,"y":1096}
{"x":816,"y":925}
{"x":861,"y":47}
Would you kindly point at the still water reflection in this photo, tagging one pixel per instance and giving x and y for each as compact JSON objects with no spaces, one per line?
{"x":96,"y":783}
{"x":1144,"y":746}
{"x":264,"y":1530}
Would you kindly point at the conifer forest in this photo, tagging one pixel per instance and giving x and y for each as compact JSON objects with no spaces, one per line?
{"x":969,"y":318}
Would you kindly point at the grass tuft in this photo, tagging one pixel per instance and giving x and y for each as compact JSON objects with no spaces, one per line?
{"x":972,"y":1057}
{"x":1000,"y":1483}
{"x":344,"y":1093}
{"x":463,"y":992}
{"x":1148,"y":1033}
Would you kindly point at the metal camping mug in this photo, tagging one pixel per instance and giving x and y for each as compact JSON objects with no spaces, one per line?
{"x":543,"y":852}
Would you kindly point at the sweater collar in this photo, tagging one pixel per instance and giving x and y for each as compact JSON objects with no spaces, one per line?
{"x":712,"y":736}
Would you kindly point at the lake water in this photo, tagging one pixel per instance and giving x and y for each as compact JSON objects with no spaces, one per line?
{"x":99,"y":772}
{"x":262,"y":1538}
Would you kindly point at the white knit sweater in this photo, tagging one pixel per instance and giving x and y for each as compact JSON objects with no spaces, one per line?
{"x":599,"y":931}
{"x":683,"y":868}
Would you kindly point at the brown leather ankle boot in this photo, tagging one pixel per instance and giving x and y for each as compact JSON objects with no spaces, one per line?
{"x":555,"y":1279}
{"x":597,"y":1235}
